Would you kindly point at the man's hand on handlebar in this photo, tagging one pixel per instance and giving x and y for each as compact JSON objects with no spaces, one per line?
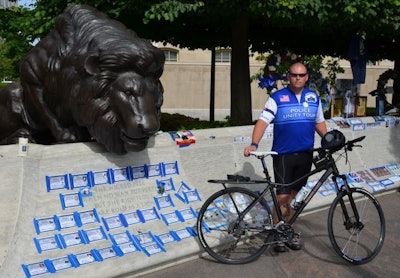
{"x":248,"y":150}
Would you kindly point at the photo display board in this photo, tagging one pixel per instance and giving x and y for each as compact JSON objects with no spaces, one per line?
{"x":79,"y":223}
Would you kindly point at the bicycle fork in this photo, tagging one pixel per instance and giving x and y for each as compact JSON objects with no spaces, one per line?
{"x":347,"y":221}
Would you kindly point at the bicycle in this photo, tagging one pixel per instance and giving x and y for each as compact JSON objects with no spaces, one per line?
{"x":235,"y":225}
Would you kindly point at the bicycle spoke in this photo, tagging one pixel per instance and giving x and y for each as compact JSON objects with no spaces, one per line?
{"x":225,"y":236}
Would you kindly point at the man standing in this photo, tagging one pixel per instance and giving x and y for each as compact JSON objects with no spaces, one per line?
{"x":297,"y":115}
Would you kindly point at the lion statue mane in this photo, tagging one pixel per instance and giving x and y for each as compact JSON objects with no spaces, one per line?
{"x":89,"y":78}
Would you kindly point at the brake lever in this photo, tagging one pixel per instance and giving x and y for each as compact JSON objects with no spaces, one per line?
{"x":350,"y":148}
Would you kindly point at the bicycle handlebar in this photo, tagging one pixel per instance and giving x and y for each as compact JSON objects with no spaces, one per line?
{"x":348,"y":146}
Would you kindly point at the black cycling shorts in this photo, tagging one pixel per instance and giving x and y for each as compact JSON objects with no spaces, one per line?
{"x":290,"y":167}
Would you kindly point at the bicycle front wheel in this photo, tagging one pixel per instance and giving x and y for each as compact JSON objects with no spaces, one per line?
{"x":227,"y":236}
{"x":356,"y":226}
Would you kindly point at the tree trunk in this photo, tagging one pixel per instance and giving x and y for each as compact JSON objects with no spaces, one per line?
{"x":241,"y":113}
{"x":396,"y":83}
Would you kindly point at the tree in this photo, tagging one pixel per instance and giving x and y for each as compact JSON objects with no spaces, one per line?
{"x":14,"y":43}
{"x":333,"y":24}
{"x":6,"y":65}
{"x":304,"y":26}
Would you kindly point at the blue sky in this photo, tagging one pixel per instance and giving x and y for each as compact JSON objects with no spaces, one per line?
{"x":25,"y":2}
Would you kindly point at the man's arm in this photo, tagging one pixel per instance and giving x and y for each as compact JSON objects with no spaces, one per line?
{"x":258,"y":132}
{"x":321,"y":128}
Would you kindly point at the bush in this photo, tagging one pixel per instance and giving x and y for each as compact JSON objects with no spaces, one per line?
{"x":174,"y":122}
{"x":2,"y":84}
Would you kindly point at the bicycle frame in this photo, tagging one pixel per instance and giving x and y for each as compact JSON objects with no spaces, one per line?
{"x":237,"y":237}
{"x":330,"y":169}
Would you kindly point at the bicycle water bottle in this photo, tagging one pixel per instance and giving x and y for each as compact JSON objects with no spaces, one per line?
{"x":301,"y":195}
{"x":259,"y":220}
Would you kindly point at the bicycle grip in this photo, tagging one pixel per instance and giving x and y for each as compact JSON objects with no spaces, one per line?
{"x":357,"y":140}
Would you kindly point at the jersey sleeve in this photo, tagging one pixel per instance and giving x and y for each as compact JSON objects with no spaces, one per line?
{"x":269,"y":111}
{"x":320,"y":114}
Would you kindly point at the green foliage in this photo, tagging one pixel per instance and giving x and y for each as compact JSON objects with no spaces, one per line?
{"x":170,"y":10}
{"x":173,"y":122}
{"x":310,"y":27}
{"x":333,"y":67}
{"x":14,"y":41}
{"x":2,"y":84}
{"x":176,"y":122}
{"x":326,"y":25}
{"x":6,"y":64}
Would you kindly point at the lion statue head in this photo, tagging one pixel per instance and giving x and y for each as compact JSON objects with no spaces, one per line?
{"x":92,"y":78}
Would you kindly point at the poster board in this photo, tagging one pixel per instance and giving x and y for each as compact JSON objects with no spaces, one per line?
{"x":361,"y":107}
{"x":337,"y":108}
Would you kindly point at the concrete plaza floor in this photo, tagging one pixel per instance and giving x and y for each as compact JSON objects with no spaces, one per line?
{"x":316,"y":259}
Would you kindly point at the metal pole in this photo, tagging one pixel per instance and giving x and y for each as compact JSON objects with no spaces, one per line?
{"x":212,"y":85}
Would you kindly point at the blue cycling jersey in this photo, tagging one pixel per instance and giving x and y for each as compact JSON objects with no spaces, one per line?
{"x":294,"y":120}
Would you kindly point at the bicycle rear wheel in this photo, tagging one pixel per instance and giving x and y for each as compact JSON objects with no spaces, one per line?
{"x":356,"y":241}
{"x":228,"y":238}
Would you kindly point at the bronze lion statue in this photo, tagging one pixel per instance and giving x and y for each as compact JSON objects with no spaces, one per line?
{"x":90,"y":78}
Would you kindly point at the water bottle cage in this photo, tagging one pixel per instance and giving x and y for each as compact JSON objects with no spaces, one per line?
{"x":297,"y":205}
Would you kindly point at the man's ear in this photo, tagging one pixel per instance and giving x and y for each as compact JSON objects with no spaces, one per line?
{"x":91,"y":64}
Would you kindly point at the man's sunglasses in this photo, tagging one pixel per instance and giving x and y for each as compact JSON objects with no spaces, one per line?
{"x":297,"y":74}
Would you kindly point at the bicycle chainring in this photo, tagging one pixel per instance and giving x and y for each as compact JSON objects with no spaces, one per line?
{"x":284,"y":230}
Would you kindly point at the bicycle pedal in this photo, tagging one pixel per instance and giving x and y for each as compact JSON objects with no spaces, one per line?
{"x":297,"y":235}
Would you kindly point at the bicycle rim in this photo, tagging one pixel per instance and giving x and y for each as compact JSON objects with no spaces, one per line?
{"x":356,"y":242}
{"x":224,"y":237}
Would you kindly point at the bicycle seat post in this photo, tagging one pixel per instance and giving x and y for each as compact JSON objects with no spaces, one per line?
{"x":261,"y":156}
{"x":265,"y":169}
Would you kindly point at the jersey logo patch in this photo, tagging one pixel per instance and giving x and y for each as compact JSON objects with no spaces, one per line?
{"x":311,"y":97}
